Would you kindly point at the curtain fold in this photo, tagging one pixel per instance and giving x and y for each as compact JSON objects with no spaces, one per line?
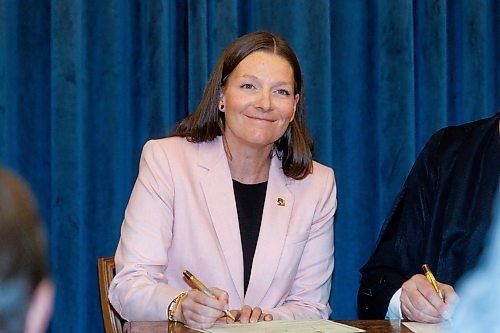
{"x":85,"y":83}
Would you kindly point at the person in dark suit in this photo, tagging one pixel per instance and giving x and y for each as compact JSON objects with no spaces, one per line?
{"x":441,"y":218}
{"x":26,"y":290}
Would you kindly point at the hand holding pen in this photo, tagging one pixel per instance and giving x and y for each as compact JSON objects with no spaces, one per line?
{"x":246,"y":314}
{"x":424,"y":301}
{"x":202,"y":306}
{"x":201,"y":287}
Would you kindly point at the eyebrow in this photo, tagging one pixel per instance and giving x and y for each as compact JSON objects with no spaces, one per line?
{"x":279,"y":83}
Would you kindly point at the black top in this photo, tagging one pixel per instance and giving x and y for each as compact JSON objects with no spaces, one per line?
{"x":250,"y":204}
{"x":441,"y":217}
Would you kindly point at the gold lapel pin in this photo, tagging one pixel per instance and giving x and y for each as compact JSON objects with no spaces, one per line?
{"x":280,"y":202}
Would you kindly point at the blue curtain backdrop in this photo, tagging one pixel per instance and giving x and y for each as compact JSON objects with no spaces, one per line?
{"x":84,"y":83}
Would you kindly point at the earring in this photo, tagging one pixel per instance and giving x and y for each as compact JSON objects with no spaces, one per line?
{"x":221,"y":107}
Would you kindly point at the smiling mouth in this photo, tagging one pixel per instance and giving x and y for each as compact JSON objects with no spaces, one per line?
{"x":261,"y":119}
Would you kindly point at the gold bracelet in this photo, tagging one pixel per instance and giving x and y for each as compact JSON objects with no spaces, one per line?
{"x":172,"y":307}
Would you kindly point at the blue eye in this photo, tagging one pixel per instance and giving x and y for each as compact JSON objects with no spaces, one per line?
{"x":283,"y":92}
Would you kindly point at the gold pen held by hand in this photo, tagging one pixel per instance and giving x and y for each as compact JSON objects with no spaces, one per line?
{"x":432,"y":280}
{"x":201,"y":287}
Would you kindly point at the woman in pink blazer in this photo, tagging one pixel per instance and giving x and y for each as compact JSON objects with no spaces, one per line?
{"x":234,"y":197}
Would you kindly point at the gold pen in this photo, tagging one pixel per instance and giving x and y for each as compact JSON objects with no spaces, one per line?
{"x":201,"y":287}
{"x":432,"y":280}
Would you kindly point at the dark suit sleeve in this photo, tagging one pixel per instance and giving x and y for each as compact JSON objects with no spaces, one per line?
{"x":399,"y":249}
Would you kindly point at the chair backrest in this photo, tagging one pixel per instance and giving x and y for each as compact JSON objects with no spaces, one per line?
{"x":112,"y":320}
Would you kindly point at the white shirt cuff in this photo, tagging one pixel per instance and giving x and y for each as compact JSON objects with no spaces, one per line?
{"x":394,"y":309}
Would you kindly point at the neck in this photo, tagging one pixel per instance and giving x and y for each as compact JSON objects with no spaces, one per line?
{"x":249,"y":166}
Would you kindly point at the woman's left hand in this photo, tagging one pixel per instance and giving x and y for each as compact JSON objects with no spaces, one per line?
{"x":248,"y":315}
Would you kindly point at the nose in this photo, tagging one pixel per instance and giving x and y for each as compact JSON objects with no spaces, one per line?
{"x":264,"y":101}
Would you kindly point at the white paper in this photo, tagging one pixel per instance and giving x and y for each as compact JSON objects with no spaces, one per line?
{"x":425,"y":328}
{"x":288,"y":326}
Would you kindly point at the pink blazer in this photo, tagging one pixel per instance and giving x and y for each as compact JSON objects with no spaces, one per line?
{"x":182,"y":215}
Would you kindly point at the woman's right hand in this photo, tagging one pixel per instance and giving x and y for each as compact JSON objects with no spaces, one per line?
{"x":201,"y":311}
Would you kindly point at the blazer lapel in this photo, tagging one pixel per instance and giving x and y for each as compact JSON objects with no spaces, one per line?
{"x":275,"y":220}
{"x":217,"y":186}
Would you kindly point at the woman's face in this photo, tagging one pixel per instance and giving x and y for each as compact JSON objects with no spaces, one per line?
{"x":259,"y":101}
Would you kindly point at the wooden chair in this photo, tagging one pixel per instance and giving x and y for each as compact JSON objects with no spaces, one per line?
{"x":112,"y":320}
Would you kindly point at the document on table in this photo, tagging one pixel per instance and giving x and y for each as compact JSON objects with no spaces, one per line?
{"x":288,"y":326}
{"x":426,"y":328}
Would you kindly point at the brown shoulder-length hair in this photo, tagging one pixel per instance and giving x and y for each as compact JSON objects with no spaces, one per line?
{"x":295,"y":147}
